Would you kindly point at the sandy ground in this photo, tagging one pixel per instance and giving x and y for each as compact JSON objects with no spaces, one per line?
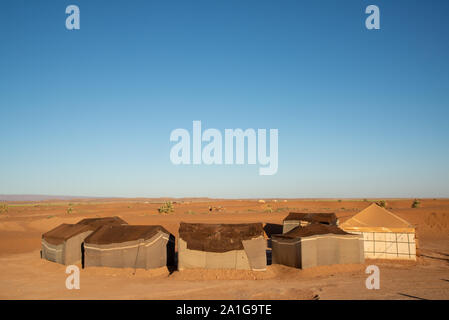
{"x":23,"y":275}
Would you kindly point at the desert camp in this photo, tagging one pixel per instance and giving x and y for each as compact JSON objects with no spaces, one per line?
{"x":310,"y":258}
{"x":129,"y":246}
{"x":386,"y":236}
{"x":63,"y":243}
{"x":316,"y":245}
{"x":295,"y":219}
{"x":222,"y":246}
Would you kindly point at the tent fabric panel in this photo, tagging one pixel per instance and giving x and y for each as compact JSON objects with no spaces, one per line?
{"x":145,"y":254}
{"x":72,"y":249}
{"x":218,"y":237}
{"x":389,"y":245}
{"x":351,"y":251}
{"x":313,"y":217}
{"x":108,"y":234}
{"x":188,"y":258}
{"x":221,"y":260}
{"x":256,"y":250}
{"x":67,"y":252}
{"x":99,"y":222}
{"x":242,"y":261}
{"x":123,"y":257}
{"x":234,"y":259}
{"x":63,"y":232}
{"x":309,"y":252}
{"x":286,"y":253}
{"x":53,"y":252}
{"x":318,"y":250}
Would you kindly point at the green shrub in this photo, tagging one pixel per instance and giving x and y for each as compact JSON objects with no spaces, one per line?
{"x":416,"y":203}
{"x":166,"y":207}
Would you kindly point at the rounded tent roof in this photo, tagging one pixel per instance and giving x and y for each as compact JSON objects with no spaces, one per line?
{"x":64,"y":232}
{"x":320,"y":217}
{"x":98,"y":222}
{"x":108,"y":234}
{"x":313,"y":229}
{"x":218,"y":237}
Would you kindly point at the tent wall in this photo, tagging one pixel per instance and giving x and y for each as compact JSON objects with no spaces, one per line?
{"x":253,"y":257}
{"x":155,"y":252}
{"x":317,"y":250}
{"x":68,"y":252}
{"x":389,"y":245}
{"x":52,"y":252}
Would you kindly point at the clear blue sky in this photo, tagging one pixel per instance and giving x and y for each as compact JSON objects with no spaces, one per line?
{"x":89,"y":112}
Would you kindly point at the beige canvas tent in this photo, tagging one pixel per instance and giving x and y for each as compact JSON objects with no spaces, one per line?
{"x":296,"y":219}
{"x":129,"y":246}
{"x":386,"y":236}
{"x":316,"y":245}
{"x":222,"y":246}
{"x":63,"y":244}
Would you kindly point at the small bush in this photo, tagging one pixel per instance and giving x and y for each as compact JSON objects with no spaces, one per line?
{"x":166,"y":207}
{"x":416,"y":203}
{"x":381,"y":203}
{"x":69,"y":210}
{"x":3,"y":208}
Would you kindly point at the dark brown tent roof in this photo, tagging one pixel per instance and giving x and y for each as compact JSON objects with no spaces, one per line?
{"x":63,"y":232}
{"x":319,"y":217}
{"x":98,"y":222}
{"x":311,"y":230}
{"x":117,"y":234}
{"x":218,"y":237}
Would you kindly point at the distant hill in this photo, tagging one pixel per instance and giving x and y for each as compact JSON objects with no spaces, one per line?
{"x":38,"y":197}
{"x":44,"y":197}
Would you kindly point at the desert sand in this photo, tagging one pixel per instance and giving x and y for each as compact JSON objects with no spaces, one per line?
{"x":24,"y":275}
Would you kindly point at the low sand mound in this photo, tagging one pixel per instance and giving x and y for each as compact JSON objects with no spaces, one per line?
{"x":286,"y":294}
{"x":158,"y":273}
{"x":222,"y":274}
{"x":437,"y":222}
{"x":276,"y":271}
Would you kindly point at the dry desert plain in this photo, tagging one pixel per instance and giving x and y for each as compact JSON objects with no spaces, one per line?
{"x":23,"y":275}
